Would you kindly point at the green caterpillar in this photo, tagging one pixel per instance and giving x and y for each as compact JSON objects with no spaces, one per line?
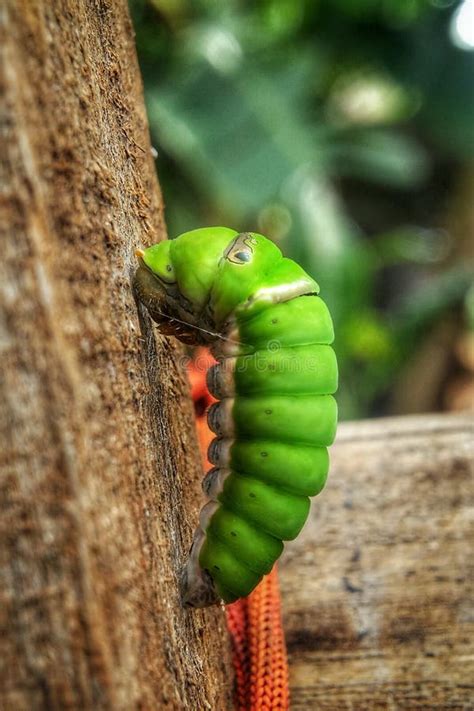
{"x":275,"y":379}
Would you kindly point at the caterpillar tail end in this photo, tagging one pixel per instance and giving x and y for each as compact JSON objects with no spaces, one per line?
{"x":196,"y":585}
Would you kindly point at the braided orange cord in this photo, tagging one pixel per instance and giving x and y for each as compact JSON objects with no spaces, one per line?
{"x":255,"y":624}
{"x":259,"y":650}
{"x":237,"y":623}
{"x":269,"y":667}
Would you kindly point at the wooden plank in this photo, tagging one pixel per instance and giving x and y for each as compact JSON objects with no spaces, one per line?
{"x":377,"y":590}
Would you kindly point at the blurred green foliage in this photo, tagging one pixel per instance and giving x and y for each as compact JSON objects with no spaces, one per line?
{"x":336,"y":127}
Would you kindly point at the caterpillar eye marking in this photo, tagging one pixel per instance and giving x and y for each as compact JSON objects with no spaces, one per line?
{"x":242,"y":256}
{"x":249,"y":240}
{"x":275,"y":415}
{"x":241,"y":250}
{"x":239,"y":257}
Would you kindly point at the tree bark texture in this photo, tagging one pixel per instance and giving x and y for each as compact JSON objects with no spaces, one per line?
{"x":377,"y":591}
{"x":100,"y":467}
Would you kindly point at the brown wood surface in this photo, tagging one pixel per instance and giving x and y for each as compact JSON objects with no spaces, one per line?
{"x":377,"y":590}
{"x":99,"y":462}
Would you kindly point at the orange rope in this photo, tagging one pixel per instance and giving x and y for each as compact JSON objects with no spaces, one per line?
{"x":254,"y":622}
{"x":259,"y":651}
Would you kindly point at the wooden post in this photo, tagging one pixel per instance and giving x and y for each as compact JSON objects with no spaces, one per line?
{"x":377,"y":590}
{"x":100,"y":469}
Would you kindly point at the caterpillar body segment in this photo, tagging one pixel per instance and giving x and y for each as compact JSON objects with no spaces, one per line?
{"x":274,"y":381}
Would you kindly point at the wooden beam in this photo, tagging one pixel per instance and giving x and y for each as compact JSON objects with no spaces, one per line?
{"x":377,"y":591}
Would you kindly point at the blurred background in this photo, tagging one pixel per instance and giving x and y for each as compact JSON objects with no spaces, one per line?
{"x":344,"y":131}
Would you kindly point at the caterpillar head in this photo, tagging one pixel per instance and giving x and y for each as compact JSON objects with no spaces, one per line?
{"x":156,"y":287}
{"x":174,"y":279}
{"x":198,"y":281}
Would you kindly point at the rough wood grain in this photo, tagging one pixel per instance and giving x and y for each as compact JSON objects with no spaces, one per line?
{"x":99,"y":463}
{"x":377,"y":591}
